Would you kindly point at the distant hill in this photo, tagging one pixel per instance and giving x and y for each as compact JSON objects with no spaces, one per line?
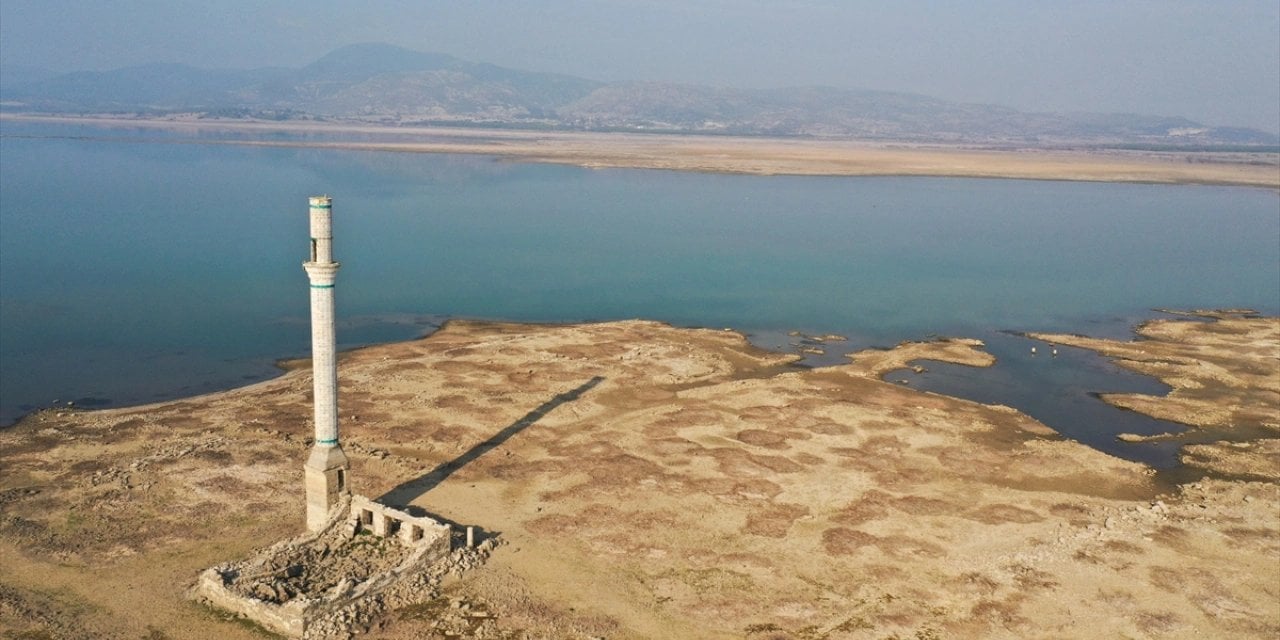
{"x":18,"y":74}
{"x":388,"y":84}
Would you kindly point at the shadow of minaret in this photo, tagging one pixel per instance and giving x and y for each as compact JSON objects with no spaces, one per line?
{"x":407,"y":492}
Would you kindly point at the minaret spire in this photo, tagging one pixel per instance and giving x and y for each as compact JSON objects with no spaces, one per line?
{"x":326,"y":468}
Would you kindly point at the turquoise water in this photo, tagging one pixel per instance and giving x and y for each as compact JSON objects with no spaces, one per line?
{"x":132,"y":271}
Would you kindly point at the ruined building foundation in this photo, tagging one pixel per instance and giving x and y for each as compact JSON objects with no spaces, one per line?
{"x":309,"y":585}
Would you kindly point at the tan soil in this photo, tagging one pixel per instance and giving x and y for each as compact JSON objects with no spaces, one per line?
{"x":877,"y":362}
{"x":647,"y":482}
{"x":754,"y":155}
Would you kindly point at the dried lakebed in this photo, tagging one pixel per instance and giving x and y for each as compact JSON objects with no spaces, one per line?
{"x":648,"y":481}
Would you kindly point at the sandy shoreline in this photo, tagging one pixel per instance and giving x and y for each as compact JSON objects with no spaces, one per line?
{"x":741,"y":155}
{"x":662,"y":482}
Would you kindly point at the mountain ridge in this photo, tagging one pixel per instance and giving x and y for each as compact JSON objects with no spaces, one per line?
{"x":386,"y":84}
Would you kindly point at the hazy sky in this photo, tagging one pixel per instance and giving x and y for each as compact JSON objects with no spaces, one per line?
{"x":1217,"y":61}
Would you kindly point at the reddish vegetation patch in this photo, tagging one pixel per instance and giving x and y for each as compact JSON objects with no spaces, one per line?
{"x":888,"y":472}
{"x":759,"y":413}
{"x":228,"y":484}
{"x":884,"y":445}
{"x":585,"y":451}
{"x":847,"y":452}
{"x":659,"y":428}
{"x":1030,"y":578}
{"x":1253,"y":534}
{"x":1173,"y":537}
{"x":215,"y":456}
{"x":402,"y":367}
{"x":845,"y":541}
{"x":1003,"y":613}
{"x":774,"y":521}
{"x":921,"y":506}
{"x":736,"y":463}
{"x":1166,"y":579}
{"x":128,"y":426}
{"x":1120,"y":546}
{"x":1157,"y":623}
{"x":883,"y":571}
{"x":673,"y":446}
{"x":599,"y":512}
{"x":455,"y":366}
{"x":1076,"y":514}
{"x":831,"y":429}
{"x":842,"y":541}
{"x":882,"y":425}
{"x":978,"y":582}
{"x":809,"y":460}
{"x":872,"y":505}
{"x":452,"y":401}
{"x":777,"y":464}
{"x":696,"y":418}
{"x":1003,"y":513}
{"x":907,"y":547}
{"x":744,"y":491}
{"x":623,"y":470}
{"x":451,"y":434}
{"x":762,"y":438}
{"x":514,"y":470}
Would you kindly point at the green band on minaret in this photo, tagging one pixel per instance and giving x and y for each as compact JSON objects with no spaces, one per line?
{"x":333,"y":441}
{"x":326,"y":205}
{"x":321,"y":286}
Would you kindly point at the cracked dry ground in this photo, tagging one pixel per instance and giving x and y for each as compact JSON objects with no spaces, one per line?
{"x":648,"y":482}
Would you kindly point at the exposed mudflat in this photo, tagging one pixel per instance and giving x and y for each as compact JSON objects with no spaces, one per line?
{"x":653,"y":482}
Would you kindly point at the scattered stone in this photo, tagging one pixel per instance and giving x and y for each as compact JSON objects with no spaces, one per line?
{"x":343,"y":581}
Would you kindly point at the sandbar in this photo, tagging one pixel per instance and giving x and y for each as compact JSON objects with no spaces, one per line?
{"x":729,"y":154}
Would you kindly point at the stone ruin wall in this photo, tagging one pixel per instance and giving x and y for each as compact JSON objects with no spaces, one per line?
{"x":430,"y":540}
{"x":386,"y":522}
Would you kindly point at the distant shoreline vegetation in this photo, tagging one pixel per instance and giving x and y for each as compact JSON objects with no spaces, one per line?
{"x":1196,"y":148}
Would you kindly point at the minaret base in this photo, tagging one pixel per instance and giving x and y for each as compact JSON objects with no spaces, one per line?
{"x":326,"y":479}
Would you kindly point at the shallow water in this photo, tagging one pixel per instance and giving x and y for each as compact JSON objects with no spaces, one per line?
{"x":132,"y":271}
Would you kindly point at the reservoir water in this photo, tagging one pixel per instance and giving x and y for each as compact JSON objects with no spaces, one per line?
{"x":135,"y":270}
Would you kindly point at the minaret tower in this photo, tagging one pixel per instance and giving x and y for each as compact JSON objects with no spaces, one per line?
{"x":326,"y":467}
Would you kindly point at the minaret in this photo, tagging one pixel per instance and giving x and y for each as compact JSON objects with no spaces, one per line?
{"x":326,"y":467}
